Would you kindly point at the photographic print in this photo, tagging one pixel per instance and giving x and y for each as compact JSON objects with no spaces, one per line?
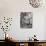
{"x":26,"y":19}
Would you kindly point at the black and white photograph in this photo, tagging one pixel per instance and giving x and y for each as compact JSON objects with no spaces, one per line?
{"x":26,"y":19}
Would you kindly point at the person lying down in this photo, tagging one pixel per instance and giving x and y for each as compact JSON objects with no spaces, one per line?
{"x":10,"y":37}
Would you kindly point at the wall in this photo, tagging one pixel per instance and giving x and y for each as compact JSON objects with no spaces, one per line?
{"x":12,"y":8}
